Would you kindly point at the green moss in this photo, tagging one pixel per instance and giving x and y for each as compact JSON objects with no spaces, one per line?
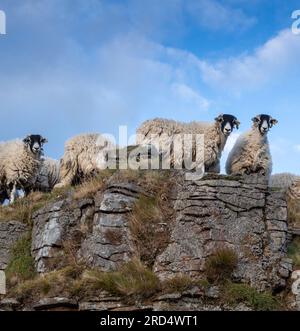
{"x":21,"y":265}
{"x":294,"y":252}
{"x":243,"y":293}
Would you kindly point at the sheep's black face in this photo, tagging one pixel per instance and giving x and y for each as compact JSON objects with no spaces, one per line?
{"x":34,"y":143}
{"x":264,"y":123}
{"x":227,"y":123}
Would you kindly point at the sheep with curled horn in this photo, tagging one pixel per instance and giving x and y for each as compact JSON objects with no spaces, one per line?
{"x":251,"y":152}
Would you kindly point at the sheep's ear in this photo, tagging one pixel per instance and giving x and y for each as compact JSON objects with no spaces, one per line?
{"x":219,"y":118}
{"x":273,"y":121}
{"x":237,"y":124}
{"x":255,"y":119}
{"x":27,"y":140}
{"x":44,"y":140}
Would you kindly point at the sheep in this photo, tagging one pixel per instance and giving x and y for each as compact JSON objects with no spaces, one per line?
{"x":84,"y":156}
{"x":3,"y":196}
{"x":251,"y":152}
{"x":163,"y":132}
{"x":283,"y":180}
{"x":48,"y":176}
{"x":19,"y":164}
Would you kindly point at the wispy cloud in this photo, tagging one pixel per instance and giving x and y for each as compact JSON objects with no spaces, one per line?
{"x":217,"y":16}
{"x":190,"y":96}
{"x":278,"y":57}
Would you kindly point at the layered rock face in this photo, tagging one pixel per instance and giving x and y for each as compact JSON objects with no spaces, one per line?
{"x":96,"y":229}
{"x":213,"y":213}
{"x":240,"y":214}
{"x":10,"y":232}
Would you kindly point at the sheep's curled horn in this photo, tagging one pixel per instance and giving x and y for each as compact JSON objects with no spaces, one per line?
{"x":237,"y":123}
{"x":219,"y":118}
{"x":273,"y":121}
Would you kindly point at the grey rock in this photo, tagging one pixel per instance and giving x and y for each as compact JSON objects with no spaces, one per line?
{"x":238,"y":214}
{"x":10,"y":233}
{"x":54,"y":226}
{"x":56,"y":303}
{"x":213,"y":292}
{"x":9,"y":304}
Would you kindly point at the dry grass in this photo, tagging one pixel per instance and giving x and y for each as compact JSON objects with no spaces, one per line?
{"x":178,"y":284}
{"x":132,"y":281}
{"x":91,"y":186}
{"x":151,"y":216}
{"x":23,"y":209}
{"x":220,"y":266}
{"x":114,"y":237}
{"x":52,"y":284}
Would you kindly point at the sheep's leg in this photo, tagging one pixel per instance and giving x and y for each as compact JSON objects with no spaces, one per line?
{"x":67,"y":176}
{"x":3,"y":196}
{"x":214,"y":168}
{"x":13,"y":194}
{"x":27,"y":191}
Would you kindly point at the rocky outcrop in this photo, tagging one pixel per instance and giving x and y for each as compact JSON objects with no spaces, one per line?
{"x":10,"y":232}
{"x":96,"y":228}
{"x":109,"y":244}
{"x":236,"y":213}
{"x":240,"y":213}
{"x":57,"y":228}
{"x":215,"y":212}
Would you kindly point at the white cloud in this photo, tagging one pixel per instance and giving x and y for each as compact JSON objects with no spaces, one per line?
{"x":214,"y":15}
{"x":190,"y":96}
{"x":275,"y":59}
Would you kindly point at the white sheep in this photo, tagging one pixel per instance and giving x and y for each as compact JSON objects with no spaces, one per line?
{"x":283,"y":180}
{"x":84,"y":156}
{"x":48,"y":176}
{"x":19,"y":164}
{"x":163,"y":132}
{"x":251,"y":152}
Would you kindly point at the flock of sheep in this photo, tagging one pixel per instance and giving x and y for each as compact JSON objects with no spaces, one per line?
{"x":24,"y":168}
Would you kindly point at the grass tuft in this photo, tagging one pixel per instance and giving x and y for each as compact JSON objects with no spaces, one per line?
{"x":132,"y":280}
{"x":178,"y":284}
{"x":294,"y":252}
{"x":151,"y":215}
{"x":243,"y":293}
{"x":21,"y":265}
{"x":89,"y":187}
{"x":220,"y":266}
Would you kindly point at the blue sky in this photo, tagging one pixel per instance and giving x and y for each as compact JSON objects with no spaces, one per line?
{"x":74,"y":66}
